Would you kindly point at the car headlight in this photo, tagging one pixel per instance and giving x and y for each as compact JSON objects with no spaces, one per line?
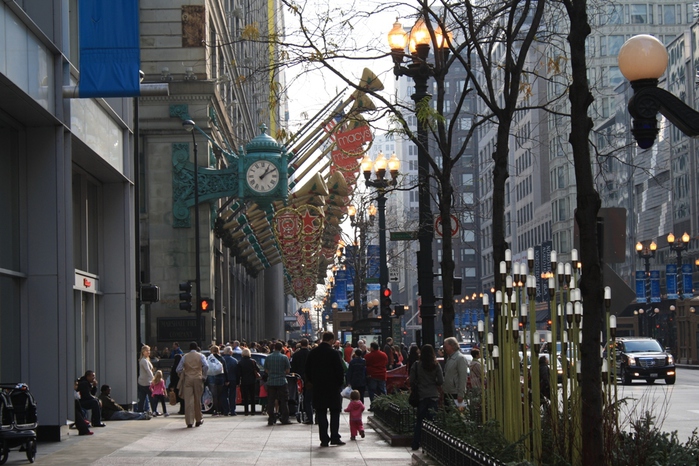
{"x":631,"y":360}
{"x":670,"y":360}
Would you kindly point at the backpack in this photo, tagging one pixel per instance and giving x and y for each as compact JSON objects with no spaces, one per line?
{"x":215,"y":366}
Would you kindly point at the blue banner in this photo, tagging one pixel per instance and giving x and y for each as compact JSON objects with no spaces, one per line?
{"x":671,"y":281}
{"x":110,"y":53}
{"x":640,"y":286}
{"x":373,"y":261}
{"x":687,"y":281}
{"x":655,"y":286}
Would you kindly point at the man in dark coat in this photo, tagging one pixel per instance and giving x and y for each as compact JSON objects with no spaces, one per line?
{"x":87,"y":387}
{"x":231,"y":384}
{"x":298,"y":366}
{"x":326,"y":374}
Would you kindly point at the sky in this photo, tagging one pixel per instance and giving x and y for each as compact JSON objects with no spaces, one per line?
{"x":310,"y":90}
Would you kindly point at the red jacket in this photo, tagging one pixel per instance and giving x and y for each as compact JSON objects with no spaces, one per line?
{"x":376,"y":361}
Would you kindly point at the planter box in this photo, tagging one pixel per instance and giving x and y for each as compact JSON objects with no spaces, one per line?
{"x":401,"y":421}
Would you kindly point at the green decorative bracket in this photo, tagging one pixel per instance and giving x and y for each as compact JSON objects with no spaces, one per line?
{"x":213,"y":184}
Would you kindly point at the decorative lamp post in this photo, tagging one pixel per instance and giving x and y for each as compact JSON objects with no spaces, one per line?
{"x":643,"y":60}
{"x":679,"y":247}
{"x":362,"y":223}
{"x":420,"y":71}
{"x":382,"y":184}
{"x":646,"y":253}
{"x":189,"y":125}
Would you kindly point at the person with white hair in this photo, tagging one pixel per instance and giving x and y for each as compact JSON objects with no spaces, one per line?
{"x":455,"y":371}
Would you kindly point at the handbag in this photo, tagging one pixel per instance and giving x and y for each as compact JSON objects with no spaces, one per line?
{"x":173,"y":397}
{"x":414,"y":398}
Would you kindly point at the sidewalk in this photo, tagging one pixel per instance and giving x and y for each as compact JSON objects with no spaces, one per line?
{"x":239,"y":440}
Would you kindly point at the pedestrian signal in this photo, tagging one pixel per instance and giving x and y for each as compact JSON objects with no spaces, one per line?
{"x":206,"y":304}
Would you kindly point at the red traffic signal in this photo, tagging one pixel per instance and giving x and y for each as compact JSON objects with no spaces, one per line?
{"x":386,"y":297}
{"x":206,"y":304}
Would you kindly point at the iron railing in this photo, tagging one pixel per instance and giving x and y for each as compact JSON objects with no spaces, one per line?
{"x":449,"y":450}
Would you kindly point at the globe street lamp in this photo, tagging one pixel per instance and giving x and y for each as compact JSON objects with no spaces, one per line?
{"x":679,"y":247}
{"x":643,"y":60}
{"x":420,"y":71}
{"x":189,"y":125}
{"x":646,"y":253}
{"x":381,"y":184}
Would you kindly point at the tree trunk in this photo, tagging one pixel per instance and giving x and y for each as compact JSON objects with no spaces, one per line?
{"x":588,"y":205}
{"x":500,"y":176}
{"x":447,"y":259}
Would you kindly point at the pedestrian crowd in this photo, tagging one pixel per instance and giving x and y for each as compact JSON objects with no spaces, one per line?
{"x":313,"y":375}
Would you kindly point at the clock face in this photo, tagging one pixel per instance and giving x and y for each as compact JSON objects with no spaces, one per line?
{"x":262,"y":176}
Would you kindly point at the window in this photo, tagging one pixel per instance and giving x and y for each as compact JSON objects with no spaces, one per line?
{"x":468,"y":236}
{"x":613,"y":14}
{"x":614,"y":43}
{"x":467,"y":179}
{"x":615,"y":76}
{"x":464,"y":123}
{"x":467,"y":198}
{"x":639,"y":14}
{"x":670,"y":14}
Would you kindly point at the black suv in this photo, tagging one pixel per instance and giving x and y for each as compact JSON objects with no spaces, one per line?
{"x":643,"y":358}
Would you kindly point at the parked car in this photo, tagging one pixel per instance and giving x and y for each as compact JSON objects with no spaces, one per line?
{"x":397,"y":379}
{"x":643,"y":358}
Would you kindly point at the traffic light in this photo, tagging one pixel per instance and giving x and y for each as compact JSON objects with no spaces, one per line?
{"x":400,"y":310}
{"x":548,"y":325}
{"x":206,"y":304}
{"x":386,"y":298}
{"x":150,"y":293}
{"x":186,"y":296}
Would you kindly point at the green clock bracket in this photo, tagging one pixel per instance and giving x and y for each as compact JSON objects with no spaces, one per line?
{"x":213,"y":184}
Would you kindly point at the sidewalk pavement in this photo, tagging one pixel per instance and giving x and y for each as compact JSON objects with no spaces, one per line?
{"x":237,"y":440}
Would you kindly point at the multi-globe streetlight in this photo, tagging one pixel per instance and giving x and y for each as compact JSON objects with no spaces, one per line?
{"x":381,"y":184}
{"x":420,"y":70}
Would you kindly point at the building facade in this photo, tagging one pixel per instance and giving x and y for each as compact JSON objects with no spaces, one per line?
{"x":221,"y":74}
{"x":67,"y":266}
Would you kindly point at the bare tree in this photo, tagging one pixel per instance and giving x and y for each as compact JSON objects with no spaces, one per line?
{"x":588,"y":205}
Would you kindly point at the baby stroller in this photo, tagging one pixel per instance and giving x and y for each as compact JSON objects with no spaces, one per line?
{"x":19,"y":421}
{"x":295,"y":384}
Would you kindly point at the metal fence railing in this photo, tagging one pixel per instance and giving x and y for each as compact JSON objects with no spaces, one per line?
{"x":449,"y":450}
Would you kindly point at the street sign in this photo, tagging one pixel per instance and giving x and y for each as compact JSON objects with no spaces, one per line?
{"x":393,"y":274}
{"x":438,"y":229}
{"x":403,"y":235}
{"x":413,"y":327}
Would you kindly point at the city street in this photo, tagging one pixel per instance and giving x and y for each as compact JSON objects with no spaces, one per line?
{"x":675,"y":406}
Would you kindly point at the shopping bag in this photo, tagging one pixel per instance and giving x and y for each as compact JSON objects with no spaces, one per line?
{"x":346,"y":392}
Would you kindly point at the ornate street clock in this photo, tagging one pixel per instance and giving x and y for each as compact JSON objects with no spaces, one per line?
{"x":262,"y":176}
{"x":263,"y":170}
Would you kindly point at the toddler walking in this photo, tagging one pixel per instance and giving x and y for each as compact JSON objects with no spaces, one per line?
{"x":157,"y":390}
{"x":355,"y":410}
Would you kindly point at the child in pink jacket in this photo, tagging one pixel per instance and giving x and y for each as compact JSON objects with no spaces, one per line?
{"x":157,"y":390}
{"x":355,"y":409}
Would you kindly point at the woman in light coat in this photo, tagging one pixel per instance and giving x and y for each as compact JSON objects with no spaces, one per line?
{"x":145,"y":377}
